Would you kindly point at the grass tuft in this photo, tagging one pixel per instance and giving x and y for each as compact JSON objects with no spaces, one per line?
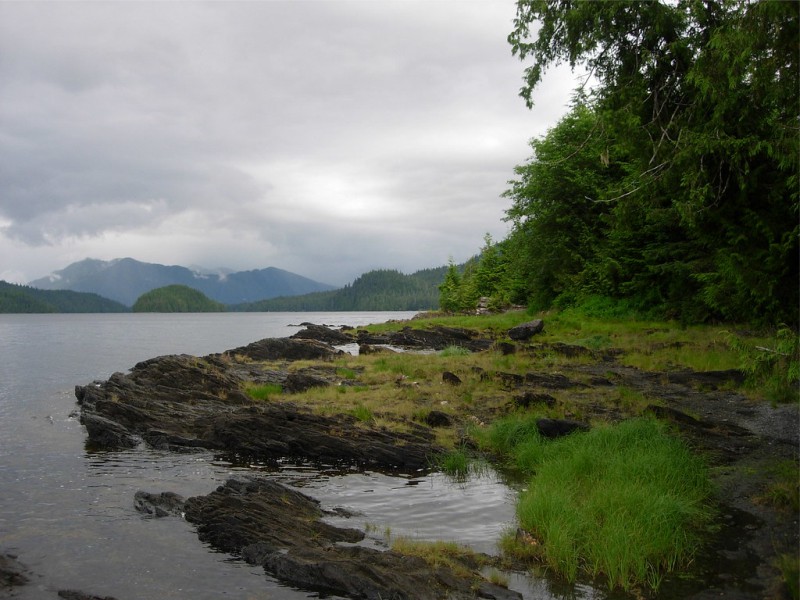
{"x":363,"y":413}
{"x":262,"y":391}
{"x":624,"y":502}
{"x":454,"y":351}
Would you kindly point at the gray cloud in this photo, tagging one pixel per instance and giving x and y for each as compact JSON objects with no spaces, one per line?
{"x":326,"y":137}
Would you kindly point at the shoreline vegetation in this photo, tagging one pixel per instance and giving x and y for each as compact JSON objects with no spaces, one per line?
{"x":635,"y":443}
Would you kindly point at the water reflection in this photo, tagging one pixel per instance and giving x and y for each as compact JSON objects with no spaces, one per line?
{"x":424,"y":506}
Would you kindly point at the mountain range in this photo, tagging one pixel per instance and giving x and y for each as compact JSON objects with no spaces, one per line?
{"x":126,"y":279}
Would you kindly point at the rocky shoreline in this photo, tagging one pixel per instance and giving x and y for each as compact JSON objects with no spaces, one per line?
{"x":180,"y":403}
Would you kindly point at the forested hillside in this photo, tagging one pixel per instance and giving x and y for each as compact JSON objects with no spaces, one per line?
{"x":176,"y":298}
{"x":376,"y":290}
{"x":671,"y":187}
{"x":23,"y":299}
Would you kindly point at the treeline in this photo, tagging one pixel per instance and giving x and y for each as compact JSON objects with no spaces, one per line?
{"x":23,"y":299}
{"x":671,"y":189}
{"x":375,"y":290}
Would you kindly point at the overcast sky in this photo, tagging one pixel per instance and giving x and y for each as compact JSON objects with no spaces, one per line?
{"x":324,"y":137}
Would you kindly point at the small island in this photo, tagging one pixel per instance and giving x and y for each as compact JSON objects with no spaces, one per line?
{"x":176,"y":298}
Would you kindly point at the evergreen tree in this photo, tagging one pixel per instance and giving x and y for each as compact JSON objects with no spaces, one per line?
{"x":696,"y":110}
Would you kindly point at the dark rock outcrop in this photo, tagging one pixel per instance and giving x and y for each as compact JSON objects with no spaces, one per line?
{"x":526,"y":331}
{"x":300,"y":381}
{"x":437,"y":418}
{"x":269,"y":524}
{"x":451,"y":378}
{"x":286,"y":349}
{"x":179,"y":402}
{"x":321,"y":333}
{"x":434,"y":338}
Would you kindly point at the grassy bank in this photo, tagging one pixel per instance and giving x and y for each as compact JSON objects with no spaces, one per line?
{"x":625,"y":502}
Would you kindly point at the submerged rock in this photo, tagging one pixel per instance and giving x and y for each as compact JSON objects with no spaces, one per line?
{"x":159,"y":505}
{"x":12,"y":572}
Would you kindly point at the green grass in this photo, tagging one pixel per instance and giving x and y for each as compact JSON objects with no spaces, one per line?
{"x":363,"y":413}
{"x":626,"y":502}
{"x":789,"y":565}
{"x":500,"y":322}
{"x":459,"y":463}
{"x":455,"y":463}
{"x":262,"y":391}
{"x":440,"y":554}
{"x":784,"y":489}
{"x":454,"y":351}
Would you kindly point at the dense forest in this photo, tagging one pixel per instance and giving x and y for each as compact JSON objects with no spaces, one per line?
{"x":176,"y":298}
{"x":23,"y":299}
{"x":671,"y":186}
{"x":375,"y":290}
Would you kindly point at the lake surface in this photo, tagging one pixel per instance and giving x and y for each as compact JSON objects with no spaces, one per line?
{"x":68,"y":514}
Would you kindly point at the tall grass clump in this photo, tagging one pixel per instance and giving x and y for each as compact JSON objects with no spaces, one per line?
{"x":459,"y":463}
{"x":772,"y":366}
{"x":454,"y":463}
{"x":263,"y":391}
{"x":626,"y":502}
{"x":455,"y":351}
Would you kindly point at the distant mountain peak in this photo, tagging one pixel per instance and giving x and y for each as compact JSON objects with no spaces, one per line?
{"x":126,"y":279}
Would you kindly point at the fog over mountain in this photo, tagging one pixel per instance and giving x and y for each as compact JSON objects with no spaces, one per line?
{"x":125,"y":279}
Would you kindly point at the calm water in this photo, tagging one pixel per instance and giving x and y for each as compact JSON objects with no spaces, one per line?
{"x":69,"y":515}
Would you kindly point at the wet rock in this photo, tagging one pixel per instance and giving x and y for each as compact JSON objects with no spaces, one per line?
{"x":434,"y":338}
{"x":555,"y":428}
{"x":286,"y":349}
{"x":370,"y":349}
{"x":12,"y":572}
{"x":321,"y":333}
{"x":269,"y":524}
{"x":526,"y":331}
{"x":159,"y":505}
{"x":106,"y":433}
{"x":76,"y":595}
{"x":451,"y":378}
